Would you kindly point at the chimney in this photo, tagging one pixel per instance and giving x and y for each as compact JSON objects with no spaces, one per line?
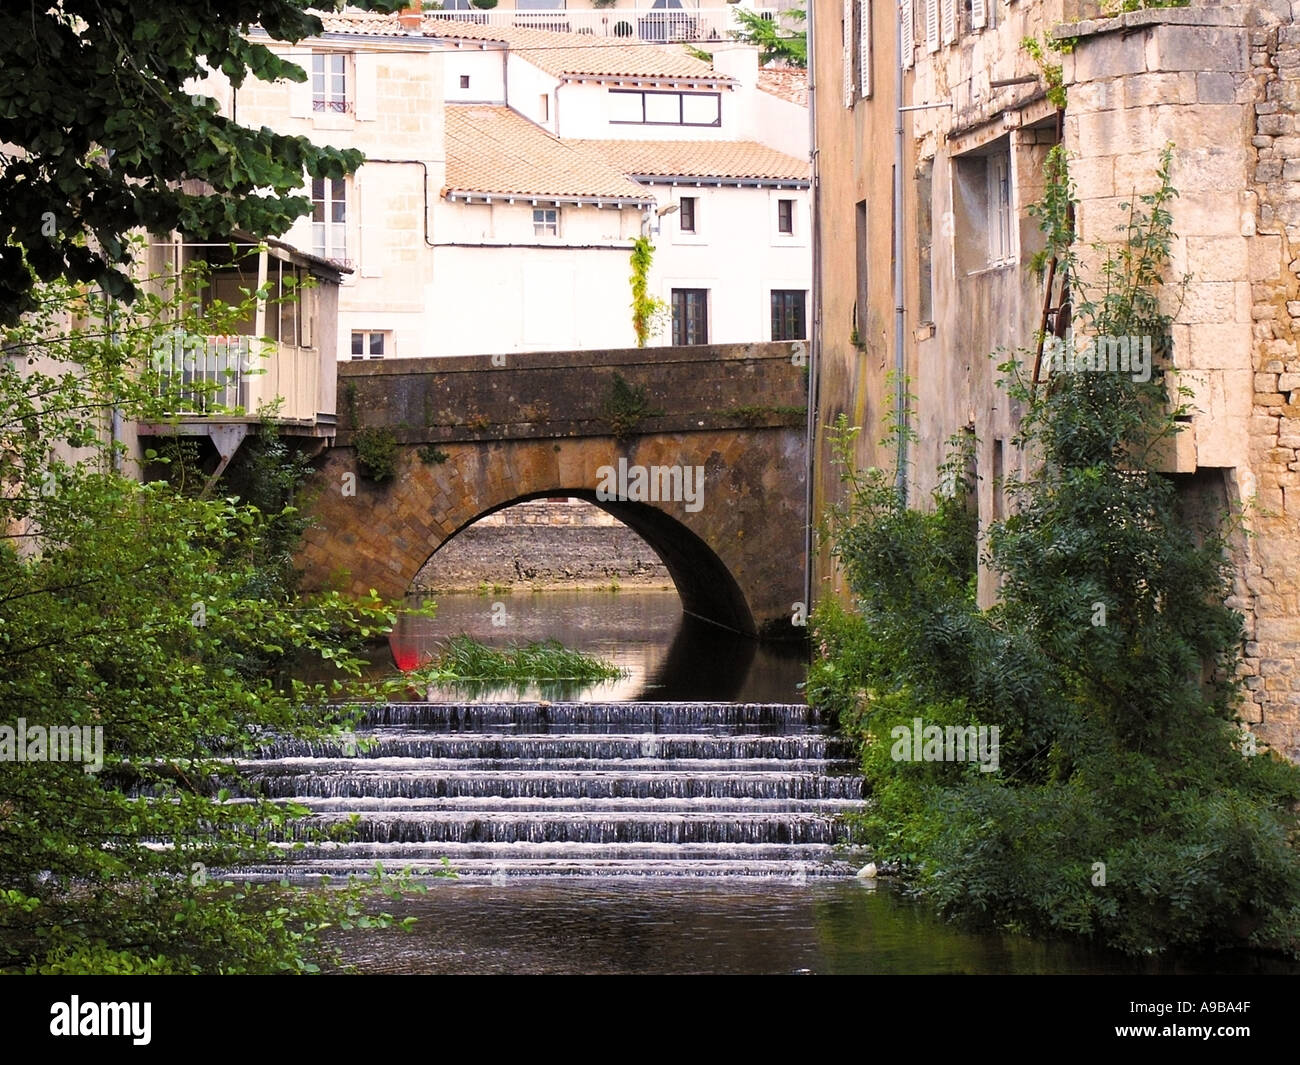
{"x":736,"y":60}
{"x":412,"y":16}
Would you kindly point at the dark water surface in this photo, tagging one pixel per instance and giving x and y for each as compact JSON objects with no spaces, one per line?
{"x":729,"y":927}
{"x":676,"y":925}
{"x":668,"y":655}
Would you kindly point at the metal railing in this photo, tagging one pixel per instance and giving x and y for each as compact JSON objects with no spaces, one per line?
{"x":660,"y":25}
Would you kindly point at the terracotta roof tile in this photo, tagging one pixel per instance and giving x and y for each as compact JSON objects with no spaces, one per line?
{"x":788,"y":83}
{"x":370,"y":23}
{"x":494,"y":150}
{"x":702,"y":159}
{"x":582,"y":54}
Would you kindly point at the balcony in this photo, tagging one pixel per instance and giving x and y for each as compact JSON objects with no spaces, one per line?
{"x":277,"y":361}
{"x":660,"y":25}
{"x":234,"y":377}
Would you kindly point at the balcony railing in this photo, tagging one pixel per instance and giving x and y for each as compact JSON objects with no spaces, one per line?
{"x":661,"y":25}
{"x":225,"y":377}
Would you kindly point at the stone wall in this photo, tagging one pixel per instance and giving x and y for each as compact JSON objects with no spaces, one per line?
{"x":1220,"y":85}
{"x":476,"y":437}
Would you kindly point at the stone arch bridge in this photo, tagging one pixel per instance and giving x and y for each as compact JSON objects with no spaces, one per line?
{"x":475,"y":434}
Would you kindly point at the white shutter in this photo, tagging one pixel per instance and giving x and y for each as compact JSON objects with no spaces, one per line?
{"x":864,"y":47}
{"x":949,"y":21}
{"x":931,"y":25}
{"x":300,"y":92}
{"x":367,"y":68}
{"x":909,"y":34}
{"x":979,"y":14}
{"x":847,"y":26}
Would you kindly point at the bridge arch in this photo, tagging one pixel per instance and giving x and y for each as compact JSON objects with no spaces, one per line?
{"x":471,"y":435}
{"x":706,"y":587}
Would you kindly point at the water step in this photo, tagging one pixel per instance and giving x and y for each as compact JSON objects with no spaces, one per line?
{"x":635,"y":827}
{"x":401,"y":743}
{"x":306,"y":782}
{"x":369,"y":805}
{"x":491,"y":868}
{"x":567,"y":789}
{"x":305,"y":763}
{"x":394,"y":856}
{"x":787,"y":718}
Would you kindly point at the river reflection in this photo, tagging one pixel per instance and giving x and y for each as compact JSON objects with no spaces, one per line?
{"x":643,"y":926}
{"x":666,"y":654}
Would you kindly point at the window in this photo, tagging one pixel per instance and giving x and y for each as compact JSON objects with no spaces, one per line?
{"x":687,"y":223}
{"x":544,"y":107}
{"x":983,"y":230}
{"x":690,"y":316}
{"x":925,"y":241}
{"x":329,"y":81}
{"x":329,"y":216}
{"x":785,"y":216}
{"x":860,"y":264}
{"x":999,"y":198}
{"x":788,"y":315}
{"x":464,"y":81}
{"x":855,"y":28}
{"x":628,"y":107}
{"x":368,"y":344}
{"x":546,"y":222}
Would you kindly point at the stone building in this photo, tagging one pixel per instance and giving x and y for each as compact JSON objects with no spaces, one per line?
{"x":932,"y":123}
{"x":503,"y":185}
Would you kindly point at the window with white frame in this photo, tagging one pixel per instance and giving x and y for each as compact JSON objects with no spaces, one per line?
{"x":369,"y":343}
{"x":983,"y":230}
{"x":546,"y":222}
{"x":999,"y":199}
{"x":329,"y":81}
{"x":785,"y":217}
{"x":687,"y":214}
{"x":329,"y":218}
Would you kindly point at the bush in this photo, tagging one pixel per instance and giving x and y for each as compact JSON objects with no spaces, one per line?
{"x":1127,"y":806}
{"x":376,"y":454}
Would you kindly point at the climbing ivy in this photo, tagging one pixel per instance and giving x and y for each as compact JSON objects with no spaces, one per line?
{"x":648,"y":311}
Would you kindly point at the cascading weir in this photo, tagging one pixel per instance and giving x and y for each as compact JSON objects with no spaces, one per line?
{"x":574,"y":789}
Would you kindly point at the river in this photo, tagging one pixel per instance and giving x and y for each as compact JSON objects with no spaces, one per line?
{"x":486,"y":922}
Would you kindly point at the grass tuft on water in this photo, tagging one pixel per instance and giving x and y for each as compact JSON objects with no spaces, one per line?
{"x":466,"y":659}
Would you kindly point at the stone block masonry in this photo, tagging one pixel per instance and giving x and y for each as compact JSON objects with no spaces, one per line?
{"x":475,"y":435}
{"x":1222,"y":84}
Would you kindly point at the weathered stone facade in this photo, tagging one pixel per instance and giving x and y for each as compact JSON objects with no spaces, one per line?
{"x":539,"y":425}
{"x":1221,"y":84}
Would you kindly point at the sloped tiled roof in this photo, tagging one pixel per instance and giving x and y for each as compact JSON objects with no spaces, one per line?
{"x":699,"y":159}
{"x":788,"y":83}
{"x":496,"y":151}
{"x":582,"y":54}
{"x":370,"y":23}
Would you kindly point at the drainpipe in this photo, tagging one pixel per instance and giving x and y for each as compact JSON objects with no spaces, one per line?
{"x":900,"y":390}
{"x":425,"y":166}
{"x":815,"y":334}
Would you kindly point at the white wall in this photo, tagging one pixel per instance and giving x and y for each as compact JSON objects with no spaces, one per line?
{"x":736,"y":253}
{"x":396,"y":90}
{"x":530,"y":293}
{"x":527,"y":85}
{"x":584,"y":112}
{"x":485,"y":69}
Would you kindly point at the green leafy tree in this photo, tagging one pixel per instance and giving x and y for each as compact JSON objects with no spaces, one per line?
{"x":99,"y":134}
{"x":157,"y":618}
{"x":776,"y":44}
{"x":1128,"y":805}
